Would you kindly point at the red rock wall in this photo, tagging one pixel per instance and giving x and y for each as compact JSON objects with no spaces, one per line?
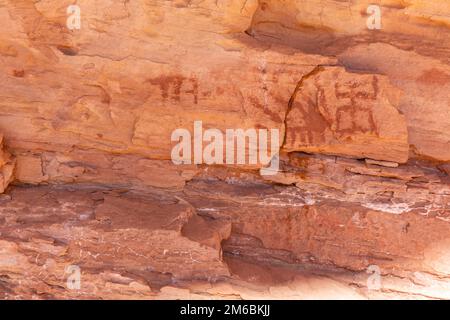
{"x":87,"y":117}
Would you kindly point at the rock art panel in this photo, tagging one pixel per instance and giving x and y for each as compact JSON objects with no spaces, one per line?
{"x":353,"y":115}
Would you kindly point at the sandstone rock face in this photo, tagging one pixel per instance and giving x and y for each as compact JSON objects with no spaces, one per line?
{"x":411,"y":48}
{"x":7,"y":166}
{"x":425,"y":82}
{"x":88,"y":187}
{"x":334,"y":111}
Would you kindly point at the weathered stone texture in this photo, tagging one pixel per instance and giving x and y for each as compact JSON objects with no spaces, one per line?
{"x":86,"y":118}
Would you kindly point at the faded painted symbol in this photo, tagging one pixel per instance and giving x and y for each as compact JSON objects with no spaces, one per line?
{"x":174,"y":87}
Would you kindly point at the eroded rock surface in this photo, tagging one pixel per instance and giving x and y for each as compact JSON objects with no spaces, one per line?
{"x":86,"y":118}
{"x":247,"y":241}
{"x":337,"y":112}
{"x":7,"y":166}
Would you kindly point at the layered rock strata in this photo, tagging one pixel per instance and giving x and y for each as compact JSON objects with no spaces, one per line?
{"x":87,"y":114}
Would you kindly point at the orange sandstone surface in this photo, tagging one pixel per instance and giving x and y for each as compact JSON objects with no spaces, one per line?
{"x":86,"y":172}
